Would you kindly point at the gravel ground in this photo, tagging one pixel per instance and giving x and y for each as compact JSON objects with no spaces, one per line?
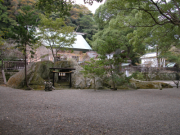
{"x":89,"y":112}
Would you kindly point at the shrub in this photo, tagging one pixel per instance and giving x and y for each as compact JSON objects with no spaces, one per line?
{"x":139,"y":76}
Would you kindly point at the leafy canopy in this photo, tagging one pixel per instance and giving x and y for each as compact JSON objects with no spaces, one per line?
{"x":24,"y":33}
{"x":56,"y":34}
{"x":93,"y":69}
{"x":61,"y":6}
{"x":156,"y":22}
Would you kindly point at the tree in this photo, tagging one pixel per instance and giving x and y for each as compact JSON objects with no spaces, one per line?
{"x":87,"y":25}
{"x":103,"y":16}
{"x":61,"y":6}
{"x":24,"y":33}
{"x":105,"y":43}
{"x":161,"y":12}
{"x":156,"y":22}
{"x":14,"y":6}
{"x":106,"y":21}
{"x":55,"y":34}
{"x":173,"y":55}
{"x":93,"y":69}
{"x":75,"y":15}
{"x":6,"y":23}
{"x":81,"y":18}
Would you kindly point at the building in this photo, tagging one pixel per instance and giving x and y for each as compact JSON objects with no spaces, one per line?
{"x":151,"y":60}
{"x":77,"y":51}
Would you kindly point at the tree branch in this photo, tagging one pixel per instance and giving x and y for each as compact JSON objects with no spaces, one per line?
{"x":177,"y":6}
{"x":161,"y":12}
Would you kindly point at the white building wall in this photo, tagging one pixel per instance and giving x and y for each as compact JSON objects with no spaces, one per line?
{"x":152,"y":62}
{"x":150,"y":59}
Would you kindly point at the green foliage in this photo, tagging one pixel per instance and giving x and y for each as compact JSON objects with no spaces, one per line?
{"x":6,"y":23}
{"x":7,"y":76}
{"x":121,"y":79}
{"x":156,"y":22}
{"x":14,"y":6}
{"x":92,"y":69}
{"x":111,"y":31}
{"x":103,"y":16}
{"x":173,"y":55}
{"x":55,"y":34}
{"x":24,"y":32}
{"x":106,"y":42}
{"x":61,"y":6}
{"x":139,"y":76}
{"x":82,"y":20}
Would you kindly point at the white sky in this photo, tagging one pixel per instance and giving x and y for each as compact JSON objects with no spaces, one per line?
{"x":91,"y":7}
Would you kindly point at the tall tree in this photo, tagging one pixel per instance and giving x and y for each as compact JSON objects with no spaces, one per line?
{"x":106,"y":20}
{"x":24,"y":33}
{"x":6,"y":23}
{"x":106,"y":42}
{"x":103,"y":16}
{"x":14,"y":6}
{"x":56,"y":34}
{"x":82,"y":19}
{"x":61,"y":6}
{"x":157,"y":22}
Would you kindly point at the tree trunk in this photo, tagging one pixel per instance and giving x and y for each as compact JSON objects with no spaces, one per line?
{"x":112,"y":78}
{"x":53,"y":55}
{"x":157,"y":54}
{"x":177,"y":84}
{"x":26,"y":81}
{"x":94,"y":83}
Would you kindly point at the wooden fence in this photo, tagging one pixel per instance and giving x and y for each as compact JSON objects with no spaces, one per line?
{"x":13,"y":65}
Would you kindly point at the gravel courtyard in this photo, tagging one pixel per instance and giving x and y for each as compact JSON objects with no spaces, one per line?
{"x":89,"y":112}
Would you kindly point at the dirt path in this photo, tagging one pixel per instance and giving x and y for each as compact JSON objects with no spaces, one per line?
{"x":86,"y":112}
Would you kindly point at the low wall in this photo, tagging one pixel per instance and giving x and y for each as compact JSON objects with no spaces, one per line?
{"x":162,"y":76}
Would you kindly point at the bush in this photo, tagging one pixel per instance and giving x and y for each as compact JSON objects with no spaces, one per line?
{"x":139,"y":76}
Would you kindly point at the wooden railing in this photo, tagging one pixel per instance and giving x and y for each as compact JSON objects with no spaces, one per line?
{"x":13,"y":65}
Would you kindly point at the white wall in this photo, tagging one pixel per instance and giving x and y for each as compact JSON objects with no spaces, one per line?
{"x":153,"y":62}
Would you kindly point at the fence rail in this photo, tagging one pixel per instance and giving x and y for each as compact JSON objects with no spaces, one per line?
{"x":13,"y":65}
{"x":147,"y":69}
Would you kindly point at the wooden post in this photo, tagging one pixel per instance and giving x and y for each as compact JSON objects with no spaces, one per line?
{"x":53,"y":78}
{"x":70,"y":80}
{"x":2,"y":65}
{"x":4,"y":77}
